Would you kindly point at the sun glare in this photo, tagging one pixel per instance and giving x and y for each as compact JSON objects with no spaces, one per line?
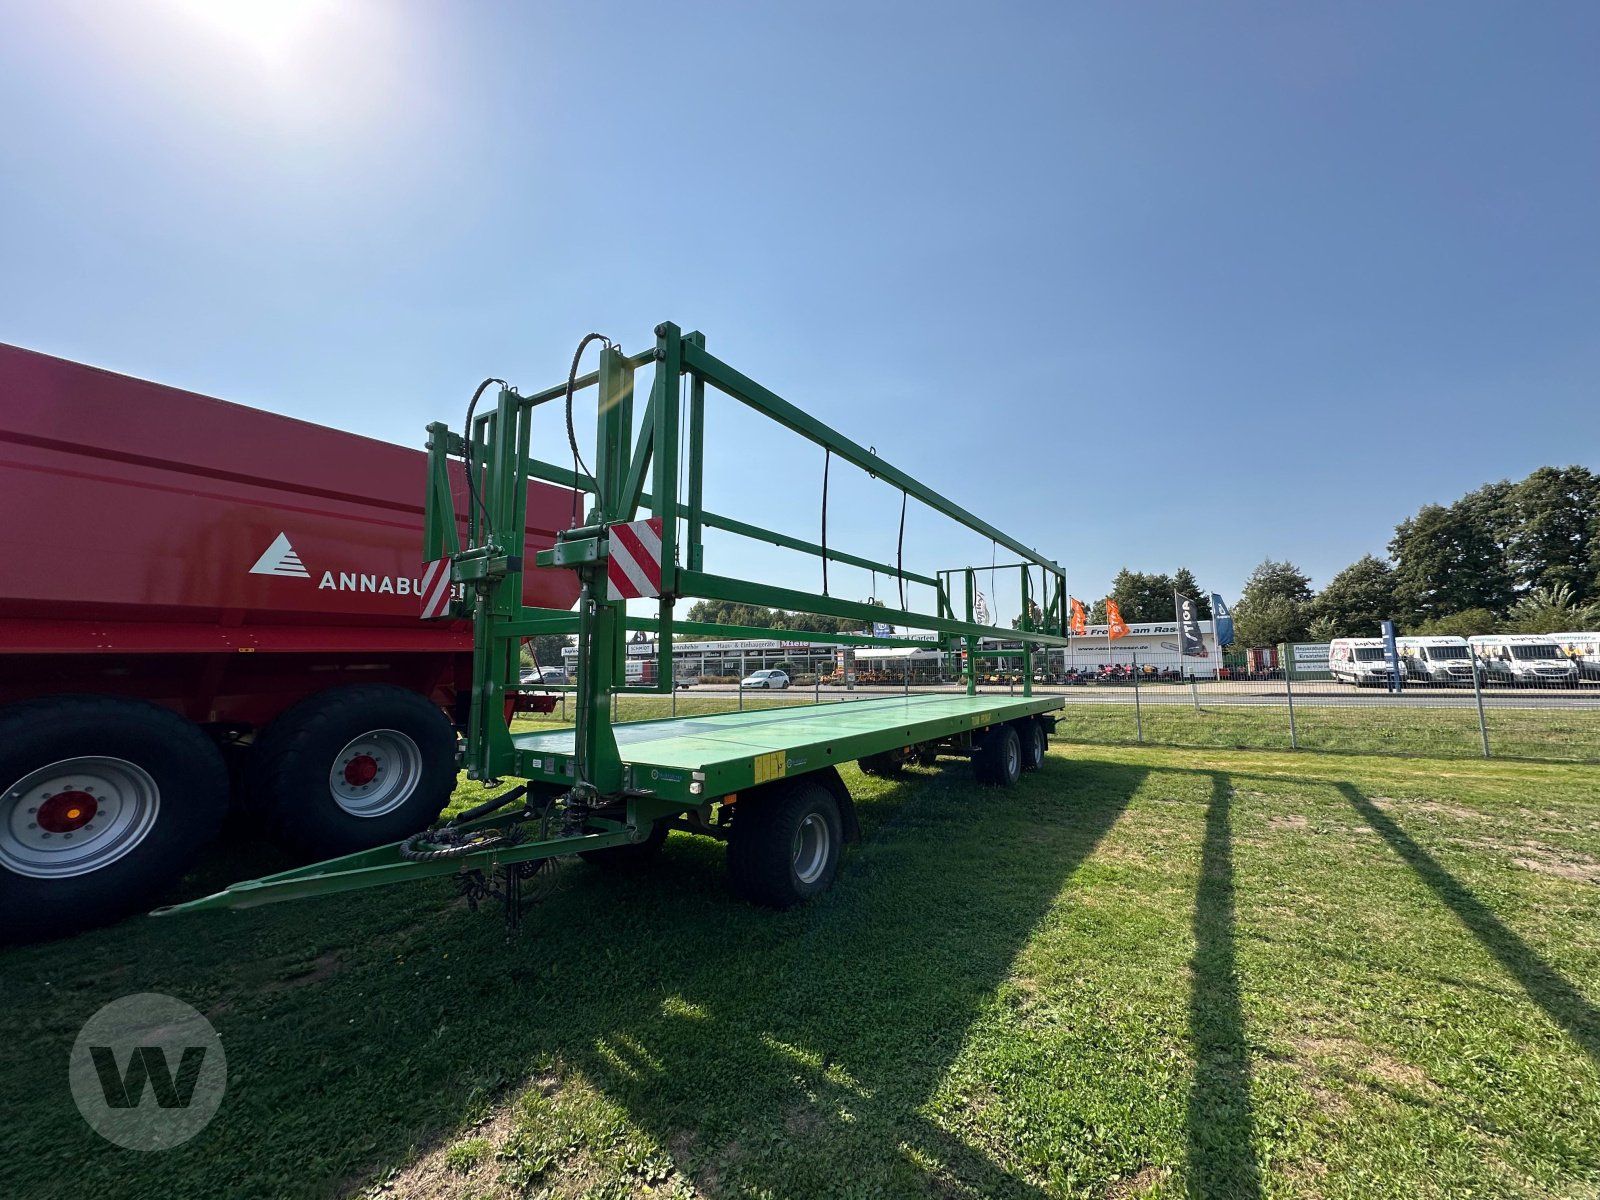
{"x":272,"y":30}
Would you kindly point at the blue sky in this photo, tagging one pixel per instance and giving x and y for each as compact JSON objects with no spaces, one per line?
{"x":1145,"y":284}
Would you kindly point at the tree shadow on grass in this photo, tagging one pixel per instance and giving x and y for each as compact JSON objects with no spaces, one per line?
{"x":1546,"y":986}
{"x":786,"y":1054}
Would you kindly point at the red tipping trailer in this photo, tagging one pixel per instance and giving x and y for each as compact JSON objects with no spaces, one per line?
{"x":179,"y":576}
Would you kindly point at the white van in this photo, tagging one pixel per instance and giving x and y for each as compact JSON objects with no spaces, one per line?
{"x":1438,"y":659}
{"x":1583,"y":649}
{"x":1524,"y":659}
{"x":1360,"y":661}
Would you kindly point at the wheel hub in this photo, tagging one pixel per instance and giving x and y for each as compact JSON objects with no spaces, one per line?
{"x":810,"y":851}
{"x":66,"y":812}
{"x":375,"y":773}
{"x":76,"y":816}
{"x":361,"y":770}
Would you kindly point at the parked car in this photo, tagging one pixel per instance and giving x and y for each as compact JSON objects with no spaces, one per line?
{"x":1360,"y":661}
{"x":1583,"y":649}
{"x":765,"y":679}
{"x":1437,"y":659}
{"x":1524,"y":659}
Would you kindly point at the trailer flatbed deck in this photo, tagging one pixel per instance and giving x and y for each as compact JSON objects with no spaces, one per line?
{"x":724,"y":752}
{"x":688,"y":761}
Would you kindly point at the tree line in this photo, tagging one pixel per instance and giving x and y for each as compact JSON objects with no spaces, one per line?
{"x":756,"y":616}
{"x":1508,"y":557}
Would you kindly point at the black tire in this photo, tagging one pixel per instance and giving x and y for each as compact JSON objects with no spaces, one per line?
{"x":785,"y":844}
{"x":400,"y":736}
{"x":632,"y":856}
{"x":168,"y":790}
{"x":1031,"y":734}
{"x":997,"y":758}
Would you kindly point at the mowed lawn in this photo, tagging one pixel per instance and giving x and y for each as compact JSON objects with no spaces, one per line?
{"x":1143,"y":972}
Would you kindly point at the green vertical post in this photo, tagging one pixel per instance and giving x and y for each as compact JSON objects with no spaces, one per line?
{"x":697,"y":458}
{"x":1027,"y":625}
{"x":669,"y":369}
{"x":972,"y":642}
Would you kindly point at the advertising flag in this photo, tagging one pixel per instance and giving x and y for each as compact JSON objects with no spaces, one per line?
{"x":1190,"y":643}
{"x":1223,"y":620}
{"x":980,"y":609}
{"x":1118,"y":627}
{"x":1080,"y":619}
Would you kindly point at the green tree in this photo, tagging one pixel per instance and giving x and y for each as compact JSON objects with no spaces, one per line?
{"x":1451,"y":559}
{"x":1035,"y":617}
{"x":1551,"y":610}
{"x":1183,"y":582}
{"x":1551,"y":543}
{"x":1322,"y":629}
{"x":1141,"y":596}
{"x":755,"y":616}
{"x":1274,"y":606}
{"x":1356,"y":600}
{"x":1461,"y":624}
{"x":545,"y":649}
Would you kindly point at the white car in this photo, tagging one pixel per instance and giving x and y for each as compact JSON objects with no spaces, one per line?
{"x":765,"y":679}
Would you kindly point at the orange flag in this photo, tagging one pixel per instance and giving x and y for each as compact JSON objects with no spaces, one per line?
{"x":1080,"y":619}
{"x":1119,"y":627}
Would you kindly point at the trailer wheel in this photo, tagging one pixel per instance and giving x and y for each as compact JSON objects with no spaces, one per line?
{"x":104,"y":801}
{"x":1030,"y":733}
{"x":632,"y":856}
{"x":785,"y":844}
{"x":354,"y":767}
{"x":998,"y":757}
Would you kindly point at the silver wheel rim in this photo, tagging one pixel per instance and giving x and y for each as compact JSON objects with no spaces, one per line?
{"x":375,"y":773}
{"x":76,"y":816}
{"x":811,"y":843}
{"x":1013,"y":756}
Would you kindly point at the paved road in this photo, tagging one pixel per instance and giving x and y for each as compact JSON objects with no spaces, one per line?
{"x":1322,"y":693}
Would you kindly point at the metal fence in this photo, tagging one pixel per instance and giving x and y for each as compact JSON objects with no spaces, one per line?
{"x":1479,"y":714}
{"x":1154,"y":703}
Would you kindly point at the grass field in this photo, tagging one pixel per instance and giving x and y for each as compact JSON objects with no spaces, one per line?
{"x":1143,"y":972}
{"x":1571,"y":735}
{"x":1555,"y":734}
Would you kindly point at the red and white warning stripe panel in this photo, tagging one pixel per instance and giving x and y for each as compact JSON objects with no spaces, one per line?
{"x":436,"y":589}
{"x":634,"y":569}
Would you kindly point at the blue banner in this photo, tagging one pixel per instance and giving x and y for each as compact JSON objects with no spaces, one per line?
{"x":1222,"y":621}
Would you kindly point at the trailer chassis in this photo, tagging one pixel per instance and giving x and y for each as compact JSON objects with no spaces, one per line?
{"x":604,"y":785}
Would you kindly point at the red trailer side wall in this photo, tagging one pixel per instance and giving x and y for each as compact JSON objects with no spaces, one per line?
{"x":219,"y":559}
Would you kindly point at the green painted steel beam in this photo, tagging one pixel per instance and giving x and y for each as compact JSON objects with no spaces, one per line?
{"x":385,"y":865}
{"x":704,"y":586}
{"x":752,"y":633}
{"x":741,"y":387}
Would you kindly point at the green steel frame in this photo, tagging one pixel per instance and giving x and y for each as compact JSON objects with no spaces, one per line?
{"x":626,"y":459}
{"x":635,"y":469}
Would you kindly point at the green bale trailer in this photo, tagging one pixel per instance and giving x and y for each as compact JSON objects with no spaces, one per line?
{"x":766,"y":781}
